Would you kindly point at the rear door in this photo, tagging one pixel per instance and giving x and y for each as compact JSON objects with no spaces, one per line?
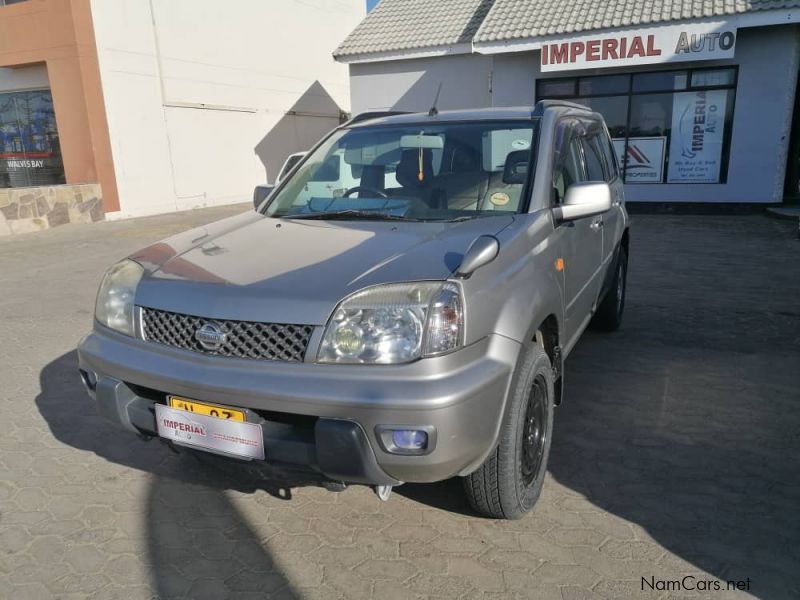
{"x":582,"y":239}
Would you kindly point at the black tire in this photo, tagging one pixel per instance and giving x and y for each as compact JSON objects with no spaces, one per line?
{"x":509,"y":483}
{"x":609,"y":314}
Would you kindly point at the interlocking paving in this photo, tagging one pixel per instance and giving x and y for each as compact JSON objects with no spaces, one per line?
{"x":675,"y":452}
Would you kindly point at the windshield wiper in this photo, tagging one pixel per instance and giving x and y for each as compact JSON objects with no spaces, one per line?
{"x":349,"y":215}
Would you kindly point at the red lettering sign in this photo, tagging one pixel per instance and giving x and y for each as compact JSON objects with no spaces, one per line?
{"x":618,"y":48}
{"x":610,"y":49}
{"x":593,"y":50}
{"x":637,"y":48}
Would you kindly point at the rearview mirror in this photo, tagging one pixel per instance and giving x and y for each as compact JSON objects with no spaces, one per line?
{"x":584,"y":199}
{"x":421,"y":141}
{"x":260,"y":193}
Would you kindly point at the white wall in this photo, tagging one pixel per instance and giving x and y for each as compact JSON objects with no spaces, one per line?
{"x":411,"y":85}
{"x":197,"y":92}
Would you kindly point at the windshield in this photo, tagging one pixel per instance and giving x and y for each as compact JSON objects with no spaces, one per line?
{"x":415,"y":172}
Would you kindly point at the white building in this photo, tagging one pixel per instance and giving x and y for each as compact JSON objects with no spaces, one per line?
{"x":151,"y":106}
{"x":699,"y":96}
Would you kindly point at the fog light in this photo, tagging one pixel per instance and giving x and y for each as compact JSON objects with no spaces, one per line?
{"x":416,"y":440}
{"x":410,"y":439}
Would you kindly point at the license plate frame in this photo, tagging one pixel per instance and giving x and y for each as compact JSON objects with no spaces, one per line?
{"x":220,"y":436}
{"x":206,"y":408}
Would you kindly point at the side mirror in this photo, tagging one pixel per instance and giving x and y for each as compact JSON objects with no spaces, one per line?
{"x":584,"y":199}
{"x":483,"y":250}
{"x":260,"y":193}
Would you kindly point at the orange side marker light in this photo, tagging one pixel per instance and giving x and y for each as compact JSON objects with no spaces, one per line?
{"x":559,"y":264}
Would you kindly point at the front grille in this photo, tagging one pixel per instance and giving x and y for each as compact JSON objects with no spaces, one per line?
{"x":244,"y":339}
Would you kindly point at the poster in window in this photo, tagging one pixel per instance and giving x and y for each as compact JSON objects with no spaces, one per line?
{"x":644,"y":160}
{"x":698,"y":123}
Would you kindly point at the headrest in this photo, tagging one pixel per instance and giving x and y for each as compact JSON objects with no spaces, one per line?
{"x":516,"y":167}
{"x":408,"y":169}
{"x":463,"y":160}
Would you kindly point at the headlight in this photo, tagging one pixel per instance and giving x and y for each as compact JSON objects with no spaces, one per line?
{"x":394,"y":323}
{"x":114,"y":307}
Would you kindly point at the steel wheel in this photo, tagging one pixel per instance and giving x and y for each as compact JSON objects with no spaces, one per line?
{"x":534,"y":434}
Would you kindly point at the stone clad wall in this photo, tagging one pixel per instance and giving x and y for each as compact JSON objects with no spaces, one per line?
{"x":23,"y":210}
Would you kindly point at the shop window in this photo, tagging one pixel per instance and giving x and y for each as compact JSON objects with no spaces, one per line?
{"x":557,"y":88}
{"x":603,"y":85}
{"x":30,"y":154}
{"x":713,"y":78}
{"x":664,"y":81}
{"x":668,"y":127}
{"x":650,"y":115}
{"x":614,"y":110}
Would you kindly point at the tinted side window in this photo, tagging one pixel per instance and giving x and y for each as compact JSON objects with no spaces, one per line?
{"x":610,"y":157}
{"x":570,"y":170}
{"x":594,"y":158}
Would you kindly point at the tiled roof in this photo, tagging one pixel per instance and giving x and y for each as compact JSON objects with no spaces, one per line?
{"x":407,"y":25}
{"x":395,"y":25}
{"x":521,"y":19}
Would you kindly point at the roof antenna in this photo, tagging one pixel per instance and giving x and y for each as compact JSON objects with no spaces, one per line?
{"x":435,"y":111}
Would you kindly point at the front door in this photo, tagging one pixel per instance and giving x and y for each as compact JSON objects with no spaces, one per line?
{"x":582,"y":239}
{"x":601,"y":165}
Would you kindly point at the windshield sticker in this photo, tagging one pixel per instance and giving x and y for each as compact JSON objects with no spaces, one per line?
{"x":520,"y":144}
{"x":499,"y":199}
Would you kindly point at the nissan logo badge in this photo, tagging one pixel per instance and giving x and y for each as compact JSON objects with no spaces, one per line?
{"x":211,"y":336}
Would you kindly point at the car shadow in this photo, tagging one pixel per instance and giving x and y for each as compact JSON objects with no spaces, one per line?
{"x":198,"y":542}
{"x":692,"y":438}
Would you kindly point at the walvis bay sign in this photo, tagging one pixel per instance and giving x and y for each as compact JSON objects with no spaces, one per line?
{"x":674,"y":43}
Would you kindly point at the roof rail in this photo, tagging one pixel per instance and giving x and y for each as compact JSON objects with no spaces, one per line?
{"x":366,"y":116}
{"x":543,"y":105}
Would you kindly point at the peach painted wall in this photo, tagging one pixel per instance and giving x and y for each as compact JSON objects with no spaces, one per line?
{"x":59,"y":34}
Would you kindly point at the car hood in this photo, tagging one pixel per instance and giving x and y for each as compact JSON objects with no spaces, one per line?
{"x":255,"y":268}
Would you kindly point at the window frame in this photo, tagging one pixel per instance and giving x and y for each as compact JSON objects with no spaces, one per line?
{"x":573,"y":122}
{"x":593,"y":130}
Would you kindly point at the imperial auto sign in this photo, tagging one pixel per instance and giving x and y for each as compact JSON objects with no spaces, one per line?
{"x":675,"y":43}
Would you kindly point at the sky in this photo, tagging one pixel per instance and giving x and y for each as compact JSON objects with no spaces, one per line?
{"x":371,"y":4}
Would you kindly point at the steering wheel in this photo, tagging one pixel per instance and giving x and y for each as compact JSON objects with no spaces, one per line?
{"x":360,"y":188}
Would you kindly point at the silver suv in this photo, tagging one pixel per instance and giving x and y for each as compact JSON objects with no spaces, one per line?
{"x":398,"y":309}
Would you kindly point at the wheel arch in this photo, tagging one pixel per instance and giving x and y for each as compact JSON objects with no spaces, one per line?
{"x":547,"y":335}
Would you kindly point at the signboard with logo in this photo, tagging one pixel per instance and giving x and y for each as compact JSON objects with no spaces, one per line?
{"x":644,"y":160}
{"x":673,"y":43}
{"x":695,"y":149}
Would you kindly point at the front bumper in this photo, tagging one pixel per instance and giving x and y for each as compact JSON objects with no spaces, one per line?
{"x":322,"y":417}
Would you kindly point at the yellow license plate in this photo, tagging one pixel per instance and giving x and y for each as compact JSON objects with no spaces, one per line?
{"x":202,"y":408}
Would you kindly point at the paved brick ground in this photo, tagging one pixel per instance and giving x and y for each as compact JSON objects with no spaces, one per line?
{"x":675,"y":453}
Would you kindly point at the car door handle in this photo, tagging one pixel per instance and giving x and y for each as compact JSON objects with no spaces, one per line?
{"x":597,"y":224}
